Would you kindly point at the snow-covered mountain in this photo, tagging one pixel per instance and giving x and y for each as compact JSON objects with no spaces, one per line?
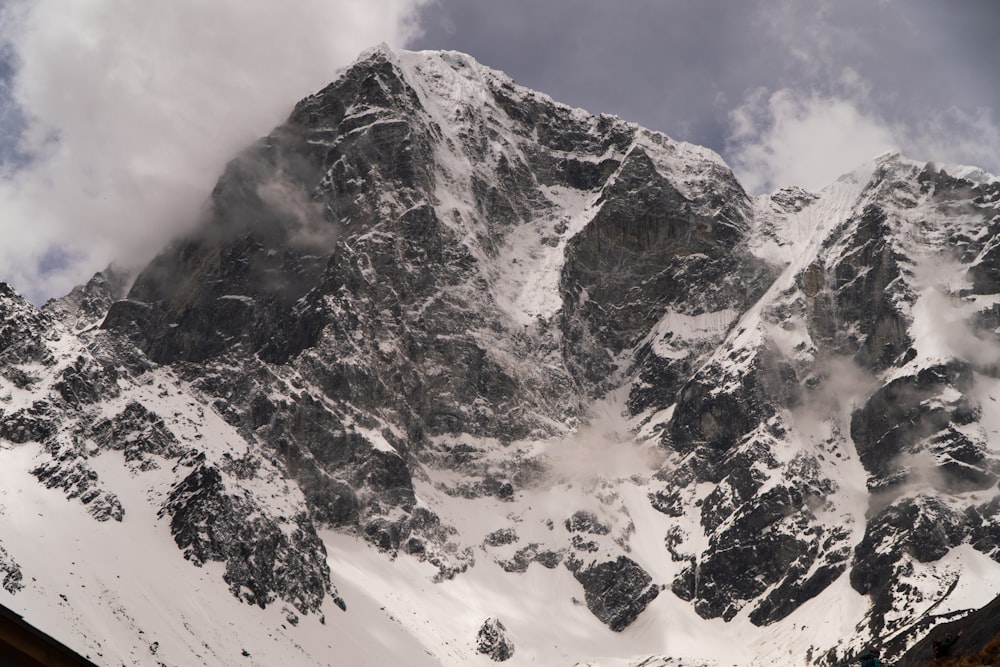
{"x":451,"y":372}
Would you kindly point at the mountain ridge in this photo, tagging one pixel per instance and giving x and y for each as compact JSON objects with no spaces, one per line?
{"x":517,"y":349}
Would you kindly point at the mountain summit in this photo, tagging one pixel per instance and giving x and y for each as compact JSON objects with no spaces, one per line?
{"x":450,"y":371}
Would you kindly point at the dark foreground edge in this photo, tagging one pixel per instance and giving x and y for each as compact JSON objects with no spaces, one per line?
{"x":23,"y":645}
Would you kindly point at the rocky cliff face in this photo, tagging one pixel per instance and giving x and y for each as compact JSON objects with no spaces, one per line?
{"x":874,"y":347}
{"x":485,"y":332}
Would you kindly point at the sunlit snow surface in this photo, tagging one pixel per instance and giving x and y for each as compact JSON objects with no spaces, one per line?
{"x":122,"y":593}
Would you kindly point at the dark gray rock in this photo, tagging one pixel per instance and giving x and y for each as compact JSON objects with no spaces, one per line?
{"x":492,"y":641}
{"x":900,"y":418}
{"x":532,"y":553}
{"x":773,"y":540}
{"x":37,"y":423}
{"x":866,"y":289}
{"x":616,"y":591}
{"x":86,"y":305}
{"x":72,"y":475}
{"x":85,"y":382}
{"x":22,"y":331}
{"x":11,"y":571}
{"x":586,"y":522}
{"x":265,"y":557}
{"x":138,"y":432}
{"x":984,"y":527}
{"x":639,"y":255}
{"x":500,"y":537}
{"x":921,"y":527}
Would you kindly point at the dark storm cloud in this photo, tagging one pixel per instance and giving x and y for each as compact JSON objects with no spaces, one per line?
{"x":754,"y":79}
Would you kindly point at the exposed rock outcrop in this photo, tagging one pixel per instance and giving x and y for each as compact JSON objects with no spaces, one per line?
{"x":492,"y":641}
{"x":616,"y":591}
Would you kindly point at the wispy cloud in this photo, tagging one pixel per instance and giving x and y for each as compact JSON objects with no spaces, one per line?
{"x":828,"y":116}
{"x":809,"y":138}
{"x":789,"y":137}
{"x":132,"y":110}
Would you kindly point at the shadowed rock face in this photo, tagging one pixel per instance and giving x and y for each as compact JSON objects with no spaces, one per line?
{"x":273,"y":221}
{"x":645,"y":249}
{"x":617,"y":591}
{"x":967,"y":638}
{"x":863,"y":291}
{"x":909,"y":410}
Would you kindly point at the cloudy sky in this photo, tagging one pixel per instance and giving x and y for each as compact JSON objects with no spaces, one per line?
{"x":116,"y":116}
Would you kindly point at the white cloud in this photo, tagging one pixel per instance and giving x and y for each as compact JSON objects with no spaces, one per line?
{"x":134,"y":108}
{"x":805,"y":139}
{"x":790,"y":137}
{"x":835,"y":117}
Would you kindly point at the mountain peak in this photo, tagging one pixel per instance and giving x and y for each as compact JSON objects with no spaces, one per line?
{"x":381,"y":51}
{"x":445,"y":350}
